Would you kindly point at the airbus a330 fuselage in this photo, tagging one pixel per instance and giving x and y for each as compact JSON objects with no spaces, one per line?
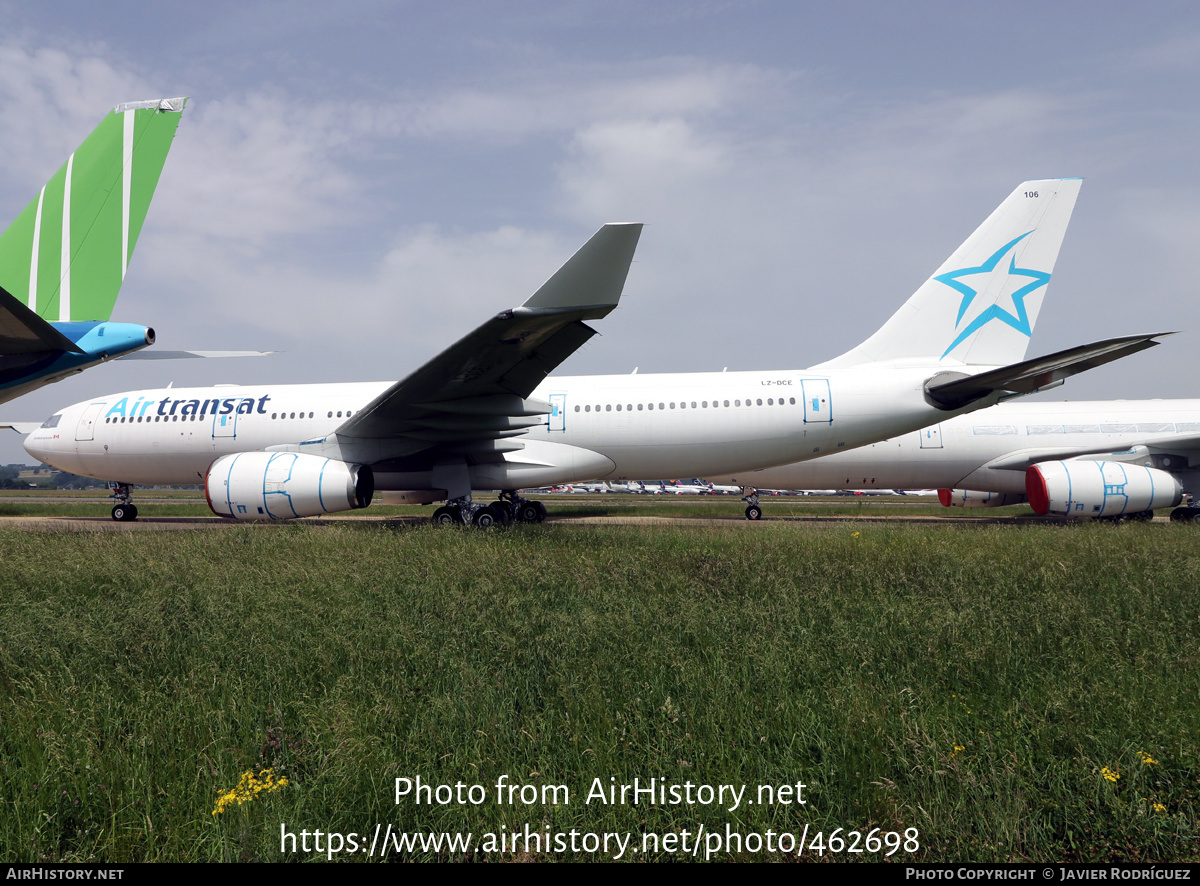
{"x":617,"y":427}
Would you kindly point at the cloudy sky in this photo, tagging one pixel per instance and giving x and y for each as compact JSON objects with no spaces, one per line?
{"x":358,"y":184}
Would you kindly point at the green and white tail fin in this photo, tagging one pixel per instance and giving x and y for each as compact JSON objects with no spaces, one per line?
{"x":66,"y":255}
{"x":981,"y":305}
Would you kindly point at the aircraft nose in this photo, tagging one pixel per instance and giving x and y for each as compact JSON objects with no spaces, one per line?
{"x":37,"y":447}
{"x":45,"y":443}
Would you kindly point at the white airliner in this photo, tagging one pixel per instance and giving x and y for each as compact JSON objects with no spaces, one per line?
{"x":484,"y":415}
{"x":1119,"y":458}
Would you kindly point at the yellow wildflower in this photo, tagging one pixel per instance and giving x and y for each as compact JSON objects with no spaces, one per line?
{"x":248,"y":787}
{"x":1109,"y":774}
{"x":1147,"y":759}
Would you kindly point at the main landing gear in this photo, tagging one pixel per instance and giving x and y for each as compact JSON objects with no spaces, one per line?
{"x":507,"y":509}
{"x":124,"y":511}
{"x":1186,"y":515}
{"x":753,"y":509}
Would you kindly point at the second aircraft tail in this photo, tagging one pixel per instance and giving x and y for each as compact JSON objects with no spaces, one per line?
{"x":66,"y":254}
{"x":981,"y":305}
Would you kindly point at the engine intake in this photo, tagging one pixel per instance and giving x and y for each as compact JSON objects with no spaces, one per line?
{"x":285,"y":485}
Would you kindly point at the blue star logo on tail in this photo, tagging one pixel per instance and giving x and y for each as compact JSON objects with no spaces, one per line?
{"x":1019,"y":320}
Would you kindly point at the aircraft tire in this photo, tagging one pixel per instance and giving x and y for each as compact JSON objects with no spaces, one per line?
{"x":1184,"y":515}
{"x":753,"y":512}
{"x":131,"y":514}
{"x":484,"y":518}
{"x":119,"y":512}
{"x":500,"y":513}
{"x":1142,"y":516}
{"x":530,"y":513}
{"x":446,"y":516}
{"x":541,"y":511}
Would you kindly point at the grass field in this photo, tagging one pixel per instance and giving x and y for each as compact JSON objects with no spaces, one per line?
{"x":191,"y":503}
{"x":1014,"y":692}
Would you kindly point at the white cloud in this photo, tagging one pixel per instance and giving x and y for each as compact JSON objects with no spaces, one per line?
{"x":50,"y":100}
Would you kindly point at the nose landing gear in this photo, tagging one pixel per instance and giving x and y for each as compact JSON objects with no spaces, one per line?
{"x":753,"y":509}
{"x":125,"y":511}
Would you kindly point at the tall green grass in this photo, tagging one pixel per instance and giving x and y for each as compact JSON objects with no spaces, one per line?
{"x":975,"y":683}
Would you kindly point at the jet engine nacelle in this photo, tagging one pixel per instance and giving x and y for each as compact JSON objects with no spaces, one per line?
{"x":971,"y":498}
{"x":1087,"y":489}
{"x":283,"y":485}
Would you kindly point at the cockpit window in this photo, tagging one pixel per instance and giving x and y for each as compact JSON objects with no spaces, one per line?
{"x":52,"y":421}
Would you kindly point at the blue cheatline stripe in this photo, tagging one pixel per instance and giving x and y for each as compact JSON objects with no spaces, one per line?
{"x":320,"y":483}
{"x":286,"y":480}
{"x":228,"y":499}
{"x":264,"y":488}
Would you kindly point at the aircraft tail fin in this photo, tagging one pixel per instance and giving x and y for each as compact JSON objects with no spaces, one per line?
{"x":66,"y":254}
{"x":981,"y":305}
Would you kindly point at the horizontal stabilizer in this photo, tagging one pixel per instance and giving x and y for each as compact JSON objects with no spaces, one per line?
{"x":24,"y":428}
{"x":22,"y":332}
{"x":1030,"y":375}
{"x":185,"y":355}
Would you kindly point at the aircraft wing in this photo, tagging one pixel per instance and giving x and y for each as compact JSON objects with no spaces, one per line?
{"x":1030,"y":375}
{"x":1024,"y":459}
{"x":475,"y":390}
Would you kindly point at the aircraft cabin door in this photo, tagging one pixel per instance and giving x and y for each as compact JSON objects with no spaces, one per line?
{"x":225,"y":425}
{"x":931,"y":437}
{"x":818,"y":407}
{"x":86,"y":429}
{"x":558,"y":413}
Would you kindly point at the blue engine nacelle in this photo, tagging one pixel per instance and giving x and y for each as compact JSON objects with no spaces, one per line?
{"x":1088,"y":489}
{"x":284,"y":485}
